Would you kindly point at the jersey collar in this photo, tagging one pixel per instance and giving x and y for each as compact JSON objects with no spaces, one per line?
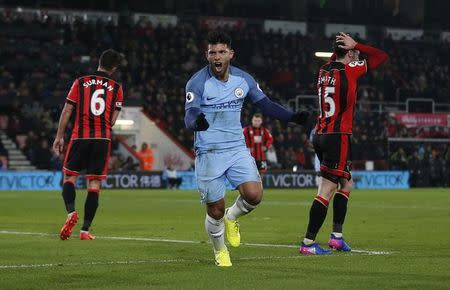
{"x":102,"y":74}
{"x":214,"y":76}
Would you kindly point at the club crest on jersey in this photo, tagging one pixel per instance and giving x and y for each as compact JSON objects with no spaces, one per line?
{"x":239,"y":93}
{"x":189,"y":97}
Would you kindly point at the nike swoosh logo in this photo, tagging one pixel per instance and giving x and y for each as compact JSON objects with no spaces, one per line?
{"x":209,"y":99}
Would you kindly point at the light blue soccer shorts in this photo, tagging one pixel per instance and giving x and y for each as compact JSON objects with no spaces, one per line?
{"x":213,"y":168}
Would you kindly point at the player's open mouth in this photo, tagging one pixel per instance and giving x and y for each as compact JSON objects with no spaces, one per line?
{"x":218,"y":65}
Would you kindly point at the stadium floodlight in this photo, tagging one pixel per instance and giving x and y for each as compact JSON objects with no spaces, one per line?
{"x":323,"y":54}
{"x":124,"y":122}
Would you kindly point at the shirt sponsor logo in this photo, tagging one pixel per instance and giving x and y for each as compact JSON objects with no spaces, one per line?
{"x":236,"y":104}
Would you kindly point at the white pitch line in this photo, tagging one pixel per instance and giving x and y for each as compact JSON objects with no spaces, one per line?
{"x":150,"y":240}
{"x":132,"y":262}
{"x":25,"y":233}
{"x":161,"y":240}
{"x":24,"y":266}
{"x":155,"y":261}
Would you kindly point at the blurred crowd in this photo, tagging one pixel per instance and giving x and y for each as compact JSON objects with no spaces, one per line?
{"x":40,"y":57}
{"x":3,"y":157}
{"x":33,"y":127}
{"x":428,"y":164}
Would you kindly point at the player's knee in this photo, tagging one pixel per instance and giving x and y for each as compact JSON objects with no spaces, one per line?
{"x":253,"y":197}
{"x":70,"y":178}
{"x":216,"y":212}
{"x":326,"y":189}
{"x":346,"y":185}
{"x":251,"y":192}
{"x":326,"y":195}
{"x":94,"y":184}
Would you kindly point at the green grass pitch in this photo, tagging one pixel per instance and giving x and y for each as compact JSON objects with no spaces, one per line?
{"x":411,"y":227}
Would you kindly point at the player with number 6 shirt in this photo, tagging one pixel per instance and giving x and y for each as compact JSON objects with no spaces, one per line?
{"x":337,"y":87}
{"x":95,"y":100}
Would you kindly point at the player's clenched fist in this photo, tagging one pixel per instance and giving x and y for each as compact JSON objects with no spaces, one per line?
{"x":201,"y":124}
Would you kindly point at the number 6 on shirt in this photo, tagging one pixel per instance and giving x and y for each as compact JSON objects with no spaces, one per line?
{"x":97,"y":99}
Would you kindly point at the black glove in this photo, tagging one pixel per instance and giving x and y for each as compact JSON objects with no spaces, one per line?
{"x":201,"y":124}
{"x":300,"y":118}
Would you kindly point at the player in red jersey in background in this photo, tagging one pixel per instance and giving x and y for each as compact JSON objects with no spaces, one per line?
{"x":258,"y":140}
{"x":337,"y":88}
{"x":96,"y":100}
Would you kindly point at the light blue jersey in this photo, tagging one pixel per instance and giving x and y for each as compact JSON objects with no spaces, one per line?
{"x":221,"y":102}
{"x":221,"y":152}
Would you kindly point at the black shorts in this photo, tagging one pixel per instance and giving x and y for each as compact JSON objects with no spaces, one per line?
{"x":261,"y":165}
{"x":334,"y":153}
{"x":91,"y":155}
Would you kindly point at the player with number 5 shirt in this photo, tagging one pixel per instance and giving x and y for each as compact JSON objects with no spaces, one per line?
{"x":95,"y":100}
{"x":337,"y":88}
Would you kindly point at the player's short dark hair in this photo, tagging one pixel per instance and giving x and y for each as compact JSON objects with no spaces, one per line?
{"x":110,"y":59}
{"x":340,"y":52}
{"x":216,"y":37}
{"x":257,"y":115}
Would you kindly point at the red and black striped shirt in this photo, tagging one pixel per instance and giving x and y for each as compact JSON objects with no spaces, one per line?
{"x":96,"y":97}
{"x":256,"y":139}
{"x":337,"y":86}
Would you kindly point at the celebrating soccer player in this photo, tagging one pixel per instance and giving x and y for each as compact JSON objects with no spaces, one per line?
{"x":96,"y":100}
{"x":214,"y":98}
{"x":258,"y":140}
{"x":337,"y":86}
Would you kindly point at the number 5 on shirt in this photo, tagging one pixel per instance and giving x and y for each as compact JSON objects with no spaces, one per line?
{"x":329,"y":91}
